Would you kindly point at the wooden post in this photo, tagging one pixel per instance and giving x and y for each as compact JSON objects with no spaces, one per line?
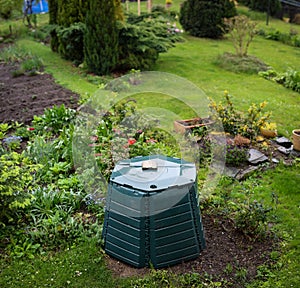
{"x":139,"y":7}
{"x":149,"y":6}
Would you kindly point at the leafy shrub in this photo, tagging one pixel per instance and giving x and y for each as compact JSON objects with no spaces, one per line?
{"x":7,"y":7}
{"x":70,"y":42}
{"x":202,"y":18}
{"x":55,"y":221}
{"x":142,"y":39}
{"x":54,"y":119}
{"x":292,"y":38}
{"x":234,"y":122}
{"x":55,"y":156}
{"x":16,"y":182}
{"x":4,"y":127}
{"x":47,"y":200}
{"x":251,"y":219}
{"x":289,"y":79}
{"x":236,"y":155}
{"x":132,"y":51}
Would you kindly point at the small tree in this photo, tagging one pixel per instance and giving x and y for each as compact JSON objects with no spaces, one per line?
{"x":241,"y":31}
{"x":101,"y":37}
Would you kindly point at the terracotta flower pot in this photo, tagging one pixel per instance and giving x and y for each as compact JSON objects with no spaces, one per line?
{"x":296,"y":139}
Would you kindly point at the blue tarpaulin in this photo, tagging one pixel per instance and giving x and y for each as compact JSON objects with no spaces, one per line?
{"x":38,"y":7}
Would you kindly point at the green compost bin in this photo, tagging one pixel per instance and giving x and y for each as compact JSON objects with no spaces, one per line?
{"x":152,"y":214}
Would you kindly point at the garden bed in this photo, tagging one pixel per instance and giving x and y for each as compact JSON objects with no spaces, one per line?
{"x":230,"y":255}
{"x":24,"y":96}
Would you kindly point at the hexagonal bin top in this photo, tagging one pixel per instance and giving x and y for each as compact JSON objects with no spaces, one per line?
{"x":153,"y":173}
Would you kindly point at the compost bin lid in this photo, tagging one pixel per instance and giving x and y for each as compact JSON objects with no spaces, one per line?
{"x":153,"y":173}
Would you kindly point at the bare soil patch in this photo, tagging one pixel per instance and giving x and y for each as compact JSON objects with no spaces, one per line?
{"x":24,"y":96}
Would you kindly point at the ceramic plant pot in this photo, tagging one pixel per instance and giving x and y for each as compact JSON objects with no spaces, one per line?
{"x":296,"y":139}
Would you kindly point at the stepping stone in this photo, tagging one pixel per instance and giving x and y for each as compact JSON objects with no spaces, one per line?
{"x":284,"y":150}
{"x":256,"y":157}
{"x":283,"y":141}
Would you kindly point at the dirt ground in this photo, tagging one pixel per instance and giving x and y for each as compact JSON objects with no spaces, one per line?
{"x":25,"y":96}
{"x":225,"y":248}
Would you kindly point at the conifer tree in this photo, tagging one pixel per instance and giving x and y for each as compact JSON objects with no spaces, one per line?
{"x":101,"y":37}
{"x":204,"y":18}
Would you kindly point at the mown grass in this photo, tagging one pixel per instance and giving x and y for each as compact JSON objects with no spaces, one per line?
{"x":194,"y":60}
{"x":81,"y":266}
{"x":280,"y":188}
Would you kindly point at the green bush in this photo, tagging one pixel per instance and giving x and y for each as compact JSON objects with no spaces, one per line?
{"x":54,"y":120}
{"x":234,"y":122}
{"x":16,"y":182}
{"x":143,"y":37}
{"x":64,"y":14}
{"x":101,"y":37}
{"x":251,"y":218}
{"x":140,"y":43}
{"x":70,"y":42}
{"x":236,"y":155}
{"x":289,"y":79}
{"x":7,"y":7}
{"x":292,"y":38}
{"x":202,"y":18}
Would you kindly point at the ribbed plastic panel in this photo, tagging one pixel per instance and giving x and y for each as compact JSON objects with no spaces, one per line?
{"x":141,"y":228}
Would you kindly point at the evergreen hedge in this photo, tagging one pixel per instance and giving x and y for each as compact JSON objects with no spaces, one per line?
{"x":101,"y":37}
{"x":203,"y":18}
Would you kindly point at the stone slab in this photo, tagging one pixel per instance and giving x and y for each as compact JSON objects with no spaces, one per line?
{"x":256,"y":157}
{"x":283,"y":141}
